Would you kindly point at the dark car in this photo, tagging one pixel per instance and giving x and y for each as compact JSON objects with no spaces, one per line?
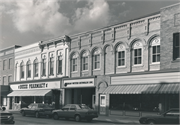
{"x":6,"y":117}
{"x":37,"y":109}
{"x":169,"y":117}
{"x":76,"y":111}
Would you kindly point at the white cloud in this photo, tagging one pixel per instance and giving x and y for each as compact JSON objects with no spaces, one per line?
{"x":123,"y":4}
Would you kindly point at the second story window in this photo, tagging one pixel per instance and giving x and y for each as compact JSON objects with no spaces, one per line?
{"x":59,"y":63}
{"x":84,"y":60}
{"x":137,"y":53}
{"x":176,"y":46}
{"x":28,"y":69}
{"x":9,"y":79}
{"x":36,"y":69}
{"x":96,"y":59}
{"x":120,"y":55}
{"x":4,"y":64}
{"x":51,"y":63}
{"x":74,"y":62}
{"x":4,"y":80}
{"x":22,"y":70}
{"x":10,"y":63}
{"x":155,"y":50}
{"x":44,"y":67}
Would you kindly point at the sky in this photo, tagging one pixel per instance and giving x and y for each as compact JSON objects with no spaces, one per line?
{"x":24,"y":22}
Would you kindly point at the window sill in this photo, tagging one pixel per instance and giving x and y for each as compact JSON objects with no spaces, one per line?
{"x":84,"y":70}
{"x":158,"y":63}
{"x":119,"y":67}
{"x":74,"y":71}
{"x":96,"y":69}
{"x":140,"y":65}
{"x":176,"y":60}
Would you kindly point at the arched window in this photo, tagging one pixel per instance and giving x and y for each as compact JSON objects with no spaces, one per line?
{"x":155,"y":50}
{"x":44,"y":66}
{"x":60,"y":63}
{"x":96,"y":59}
{"x":84,"y":61}
{"x":120,"y":55}
{"x":22,"y":70}
{"x":74,"y":62}
{"x":36,"y":68}
{"x":29,"y":69}
{"x":137,"y":53}
{"x":51,"y":64}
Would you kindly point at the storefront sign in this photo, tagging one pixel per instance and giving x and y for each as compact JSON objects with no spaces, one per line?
{"x":43,"y":85}
{"x":79,"y":83}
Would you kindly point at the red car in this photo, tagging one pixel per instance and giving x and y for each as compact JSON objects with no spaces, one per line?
{"x":76,"y":111}
{"x":37,"y":109}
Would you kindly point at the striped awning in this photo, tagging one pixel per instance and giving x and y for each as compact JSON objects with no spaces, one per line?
{"x":169,"y":88}
{"x":133,"y":89}
{"x":30,"y":93}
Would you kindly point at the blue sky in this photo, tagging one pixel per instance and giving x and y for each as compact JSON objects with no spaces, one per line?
{"x":24,"y":22}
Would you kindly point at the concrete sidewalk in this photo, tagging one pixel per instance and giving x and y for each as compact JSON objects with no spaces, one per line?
{"x":111,"y":119}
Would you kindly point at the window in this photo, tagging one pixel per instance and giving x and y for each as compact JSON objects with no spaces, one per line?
{"x":59,"y":62}
{"x":51,"y":65}
{"x":4,"y":101}
{"x":4,"y":80}
{"x":28,"y":69}
{"x":121,"y":55}
{"x":36,"y":68}
{"x":84,"y":61}
{"x":4,"y":64}
{"x":155,"y":50}
{"x":10,"y":63}
{"x":17,"y":99}
{"x":176,"y":46}
{"x":44,"y":67}
{"x":73,"y":107}
{"x":96,"y":59}
{"x":22,"y":70}
{"x":74,"y":62}
{"x":137,"y":53}
{"x":9,"y":79}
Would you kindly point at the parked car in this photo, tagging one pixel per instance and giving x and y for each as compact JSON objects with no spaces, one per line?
{"x":169,"y":117}
{"x":6,"y":117}
{"x":76,"y":111}
{"x":37,"y":109}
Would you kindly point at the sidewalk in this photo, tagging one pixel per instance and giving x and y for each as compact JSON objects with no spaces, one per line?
{"x":111,"y":119}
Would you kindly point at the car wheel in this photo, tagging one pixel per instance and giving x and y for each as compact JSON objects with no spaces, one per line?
{"x":77,"y":118}
{"x":37,"y":114}
{"x":55,"y":116}
{"x":23,"y":113}
{"x":89,"y":119}
{"x":151,"y":122}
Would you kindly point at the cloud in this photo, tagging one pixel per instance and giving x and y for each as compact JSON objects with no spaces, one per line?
{"x":123,"y":3}
{"x":44,"y":16}
{"x":94,"y":15}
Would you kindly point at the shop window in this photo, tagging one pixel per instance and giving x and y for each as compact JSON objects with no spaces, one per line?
{"x":84,"y":61}
{"x":10,"y":63}
{"x":36,"y":68}
{"x":74,"y":62}
{"x":102,"y":100}
{"x":4,"y":64}
{"x":22,"y":70}
{"x":176,"y":46}
{"x":3,"y":101}
{"x":51,"y":63}
{"x":17,"y":99}
{"x":59,"y":62}
{"x":155,"y":50}
{"x":44,"y":67}
{"x":137,"y":53}
{"x":96,"y":59}
{"x":120,"y":52}
{"x":28,"y":69}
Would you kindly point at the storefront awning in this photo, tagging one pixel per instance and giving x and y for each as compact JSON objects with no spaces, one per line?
{"x":30,"y":93}
{"x":169,"y":88}
{"x":133,"y":89}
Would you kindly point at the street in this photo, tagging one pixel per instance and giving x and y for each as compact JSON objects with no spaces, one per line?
{"x":31,"y":120}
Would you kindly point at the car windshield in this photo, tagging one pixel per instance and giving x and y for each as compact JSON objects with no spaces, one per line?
{"x":43,"y":106}
{"x":84,"y":107}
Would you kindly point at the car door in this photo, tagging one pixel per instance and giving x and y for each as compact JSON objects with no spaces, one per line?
{"x":33,"y":109}
{"x":171,"y":117}
{"x":28,"y":110}
{"x":64,"y":111}
{"x":71,"y":111}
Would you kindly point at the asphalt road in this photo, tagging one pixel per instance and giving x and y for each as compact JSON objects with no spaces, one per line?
{"x":31,"y":120}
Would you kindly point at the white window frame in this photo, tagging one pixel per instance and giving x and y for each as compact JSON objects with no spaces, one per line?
{"x":10,"y":63}
{"x":137,"y":45}
{"x":83,"y":58}
{"x":58,"y":65}
{"x":96,"y":52}
{"x":120,"y":48}
{"x":154,"y":42}
{"x":22,"y":70}
{"x":29,"y":69}
{"x":36,"y":68}
{"x":44,"y":63}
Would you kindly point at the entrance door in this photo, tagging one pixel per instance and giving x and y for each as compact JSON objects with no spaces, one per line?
{"x":102,"y":104}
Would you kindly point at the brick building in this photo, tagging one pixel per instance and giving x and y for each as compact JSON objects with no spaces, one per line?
{"x":6,"y":72}
{"x":130,"y":68}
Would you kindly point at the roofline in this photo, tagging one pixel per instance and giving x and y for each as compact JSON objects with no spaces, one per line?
{"x":14,"y":46}
{"x":169,"y":6}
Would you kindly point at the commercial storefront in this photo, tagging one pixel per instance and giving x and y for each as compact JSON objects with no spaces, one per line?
{"x":79,"y":91}
{"x":141,"y":94}
{"x":3,"y":95}
{"x":42,"y":91}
